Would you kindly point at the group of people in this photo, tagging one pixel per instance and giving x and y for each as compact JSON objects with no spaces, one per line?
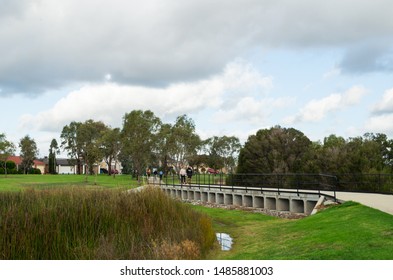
{"x":160,"y":173}
{"x":186,"y":173}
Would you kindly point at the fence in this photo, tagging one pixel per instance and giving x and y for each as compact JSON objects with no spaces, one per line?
{"x":373,"y":183}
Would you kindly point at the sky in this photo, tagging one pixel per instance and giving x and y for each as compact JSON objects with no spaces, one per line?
{"x":234,"y":67}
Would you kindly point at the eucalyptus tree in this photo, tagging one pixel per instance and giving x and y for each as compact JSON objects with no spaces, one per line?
{"x":165,"y":145}
{"x":184,"y":141}
{"x":111,"y":146}
{"x":139,"y":137}
{"x":28,"y":152}
{"x":69,"y":143}
{"x":7,"y":148}
{"x":223,"y":151}
{"x":89,"y":142}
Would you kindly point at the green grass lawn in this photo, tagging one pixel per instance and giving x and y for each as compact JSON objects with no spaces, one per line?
{"x":20,"y":182}
{"x":347,"y":232}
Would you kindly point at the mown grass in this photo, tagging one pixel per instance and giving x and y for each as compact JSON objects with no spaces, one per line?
{"x":22,"y":182}
{"x":347,"y":232}
{"x":79,"y":223}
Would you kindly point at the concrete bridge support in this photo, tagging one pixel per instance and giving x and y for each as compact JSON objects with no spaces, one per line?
{"x":284,"y":201}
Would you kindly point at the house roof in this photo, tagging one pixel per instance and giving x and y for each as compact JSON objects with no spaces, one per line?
{"x":64,"y":162}
{"x":18,"y":160}
{"x":60,"y":161}
{"x":38,"y":162}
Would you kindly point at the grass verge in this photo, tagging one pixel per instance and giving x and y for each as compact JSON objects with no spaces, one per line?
{"x":350,"y":231}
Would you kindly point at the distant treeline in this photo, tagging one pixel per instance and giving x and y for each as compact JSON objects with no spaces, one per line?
{"x":359,"y":163}
{"x":287,"y":150}
{"x":144,"y":141}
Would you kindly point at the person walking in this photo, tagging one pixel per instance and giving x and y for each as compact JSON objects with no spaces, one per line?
{"x":183,"y":174}
{"x":189,"y":172}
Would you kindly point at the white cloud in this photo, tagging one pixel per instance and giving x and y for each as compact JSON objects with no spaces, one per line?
{"x":381,"y":119}
{"x":109,"y":101}
{"x":315,"y":110}
{"x":385,"y":105}
{"x":251,"y":110}
{"x":380,"y":124}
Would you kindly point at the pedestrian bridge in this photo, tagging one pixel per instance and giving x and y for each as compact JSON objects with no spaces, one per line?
{"x":294,"y":193}
{"x":296,"y":202}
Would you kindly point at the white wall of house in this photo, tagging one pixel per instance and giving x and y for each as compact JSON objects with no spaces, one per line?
{"x":66,"y":169}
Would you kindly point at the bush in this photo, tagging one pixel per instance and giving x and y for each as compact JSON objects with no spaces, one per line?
{"x":11,"y":165}
{"x":34,"y":171}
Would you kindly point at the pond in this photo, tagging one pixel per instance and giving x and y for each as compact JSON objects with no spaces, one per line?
{"x":225,"y":241}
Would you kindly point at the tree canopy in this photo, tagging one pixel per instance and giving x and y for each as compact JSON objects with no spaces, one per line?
{"x":28,"y":151}
{"x":7,"y":148}
{"x":275,"y":150}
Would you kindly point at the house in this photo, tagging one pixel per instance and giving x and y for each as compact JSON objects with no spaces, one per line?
{"x":36,"y":163}
{"x":63,"y":166}
{"x":39,"y":165}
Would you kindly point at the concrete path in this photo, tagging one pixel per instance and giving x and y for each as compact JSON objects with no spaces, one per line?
{"x":383,"y":202}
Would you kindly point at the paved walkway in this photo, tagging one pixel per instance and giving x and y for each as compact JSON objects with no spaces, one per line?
{"x":383,"y":202}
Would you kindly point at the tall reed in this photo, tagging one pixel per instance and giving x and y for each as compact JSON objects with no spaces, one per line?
{"x":75,"y":223}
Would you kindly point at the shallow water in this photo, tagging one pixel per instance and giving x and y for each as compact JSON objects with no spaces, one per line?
{"x":225,"y":241}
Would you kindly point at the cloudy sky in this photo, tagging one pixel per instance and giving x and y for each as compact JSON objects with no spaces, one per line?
{"x":322,"y":67}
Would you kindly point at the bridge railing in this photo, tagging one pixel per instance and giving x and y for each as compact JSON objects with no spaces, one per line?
{"x":373,"y":183}
{"x":360,"y":182}
{"x":299,"y":183}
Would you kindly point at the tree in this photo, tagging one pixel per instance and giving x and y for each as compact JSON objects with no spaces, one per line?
{"x":70,"y":144}
{"x":275,"y":150}
{"x":377,"y":148}
{"x":111,"y":146}
{"x":53,"y":151}
{"x":332,"y":156}
{"x":7,"y":148}
{"x":183,"y":140}
{"x":28,"y":151}
{"x":223,"y":151}
{"x":88,"y":139}
{"x":139,"y":137}
{"x":165,"y":145}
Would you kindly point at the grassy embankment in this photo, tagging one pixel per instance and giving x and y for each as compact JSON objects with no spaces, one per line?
{"x":350,"y":231}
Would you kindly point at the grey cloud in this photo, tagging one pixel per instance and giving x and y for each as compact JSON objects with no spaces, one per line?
{"x":152,"y":43}
{"x":14,"y":8}
{"x":368,"y":58}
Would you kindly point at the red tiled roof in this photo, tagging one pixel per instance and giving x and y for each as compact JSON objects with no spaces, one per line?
{"x":18,"y":160}
{"x":38,"y":162}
